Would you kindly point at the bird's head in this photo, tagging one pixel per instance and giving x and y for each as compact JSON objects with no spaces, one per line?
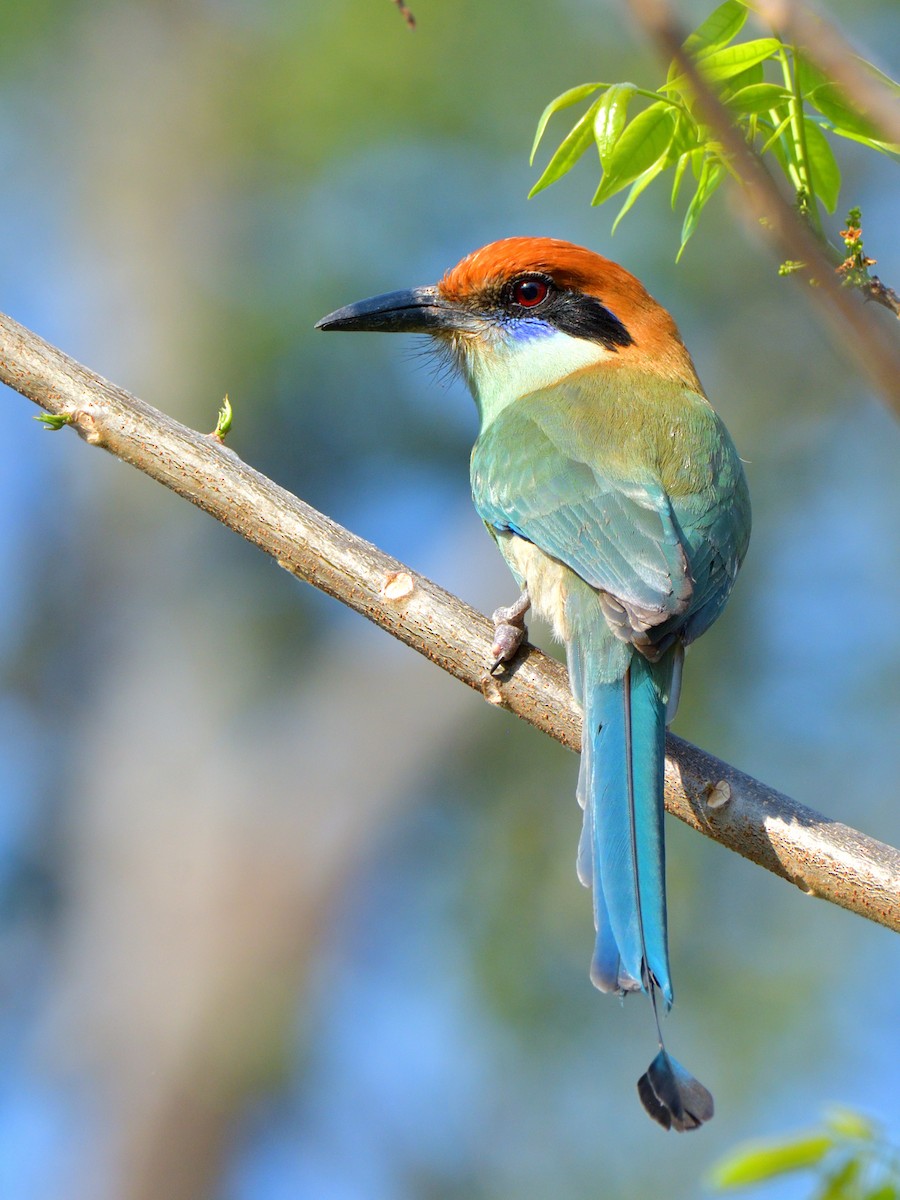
{"x":524,"y":313}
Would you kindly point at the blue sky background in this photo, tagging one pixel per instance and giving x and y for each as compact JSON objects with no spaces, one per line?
{"x":284,"y":912}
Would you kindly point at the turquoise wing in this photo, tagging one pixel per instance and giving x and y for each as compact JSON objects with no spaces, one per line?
{"x":620,"y":536}
{"x":546,"y":469}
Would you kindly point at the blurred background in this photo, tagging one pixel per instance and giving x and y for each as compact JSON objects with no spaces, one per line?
{"x":284,"y":911}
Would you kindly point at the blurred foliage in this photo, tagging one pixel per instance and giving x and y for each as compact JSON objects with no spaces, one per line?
{"x":187,"y":188}
{"x":849,"y":1157}
{"x":670,"y":133}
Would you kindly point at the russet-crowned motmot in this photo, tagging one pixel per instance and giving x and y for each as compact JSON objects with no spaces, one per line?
{"x":617,"y":498}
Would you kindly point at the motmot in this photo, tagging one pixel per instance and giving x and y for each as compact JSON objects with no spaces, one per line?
{"x":617,"y":498}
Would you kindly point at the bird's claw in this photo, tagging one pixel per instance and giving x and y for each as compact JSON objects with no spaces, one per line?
{"x":507,"y":640}
{"x":509,"y":631}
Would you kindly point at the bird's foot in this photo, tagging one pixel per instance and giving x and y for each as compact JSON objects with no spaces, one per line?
{"x":509,"y":631}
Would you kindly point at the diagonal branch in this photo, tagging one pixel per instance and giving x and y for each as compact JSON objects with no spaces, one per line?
{"x":821,"y":856}
{"x":874,"y":350}
{"x":796,"y":22}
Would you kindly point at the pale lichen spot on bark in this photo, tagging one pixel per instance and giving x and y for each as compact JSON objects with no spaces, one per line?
{"x":718,"y":794}
{"x":491,"y":690}
{"x":84,"y":423}
{"x":397,"y":585}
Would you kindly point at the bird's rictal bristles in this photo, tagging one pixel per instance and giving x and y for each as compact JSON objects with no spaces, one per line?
{"x":657,"y":343}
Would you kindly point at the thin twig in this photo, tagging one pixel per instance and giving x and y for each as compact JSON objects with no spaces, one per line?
{"x":406,"y":14}
{"x":866,"y":341}
{"x":821,"y":856}
{"x":856,"y":263}
{"x":879,"y":291}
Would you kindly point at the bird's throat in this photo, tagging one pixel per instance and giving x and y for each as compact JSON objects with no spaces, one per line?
{"x":502,"y":370}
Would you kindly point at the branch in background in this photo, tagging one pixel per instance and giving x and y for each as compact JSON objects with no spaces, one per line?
{"x":822,"y":857}
{"x":875,"y":351}
{"x":794,"y":22}
{"x":822,"y":43}
{"x":406,"y":14}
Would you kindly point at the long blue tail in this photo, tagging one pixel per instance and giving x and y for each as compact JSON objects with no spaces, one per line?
{"x":621,"y":856}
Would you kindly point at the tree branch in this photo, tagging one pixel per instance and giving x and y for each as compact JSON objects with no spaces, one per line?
{"x":876,"y":353}
{"x":406,"y":14}
{"x":795,"y":22}
{"x":821,"y":856}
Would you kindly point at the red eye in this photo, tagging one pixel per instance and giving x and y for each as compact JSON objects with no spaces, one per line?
{"x":529,"y":293}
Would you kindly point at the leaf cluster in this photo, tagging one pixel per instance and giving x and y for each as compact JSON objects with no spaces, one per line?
{"x":787,"y":118}
{"x":847,"y":1156}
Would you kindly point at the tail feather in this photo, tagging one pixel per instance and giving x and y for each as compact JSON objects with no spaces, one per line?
{"x":621,"y":856}
{"x":626,"y":701}
{"x":673,"y":1097}
{"x":606,"y":972}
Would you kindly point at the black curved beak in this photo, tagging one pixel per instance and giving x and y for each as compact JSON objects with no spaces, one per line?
{"x":419,"y":310}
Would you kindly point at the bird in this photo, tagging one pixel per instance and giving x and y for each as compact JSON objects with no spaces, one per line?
{"x":618,"y":500}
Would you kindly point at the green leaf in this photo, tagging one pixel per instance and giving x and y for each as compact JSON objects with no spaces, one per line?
{"x":840,"y":1184}
{"x":684,"y":140}
{"x":566,"y":100}
{"x":224,"y":421}
{"x":720,"y":27}
{"x":752,"y":75}
{"x":680,"y":168}
{"x":772,"y":142}
{"x":711,"y":175}
{"x":823,"y":168}
{"x":568,"y":152}
{"x":610,"y":118}
{"x":757,"y":1161}
{"x":640,"y":145}
{"x":850,"y":1124}
{"x":809,"y":76}
{"x":731,"y":75}
{"x":757,"y":98}
{"x":832,"y":104}
{"x":891,"y":84}
{"x":887,"y":1191}
{"x":642,"y":182}
{"x":686,"y":137}
{"x":775,"y":146}
{"x":54,"y":421}
{"x":723,"y":64}
{"x":892,"y":149}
